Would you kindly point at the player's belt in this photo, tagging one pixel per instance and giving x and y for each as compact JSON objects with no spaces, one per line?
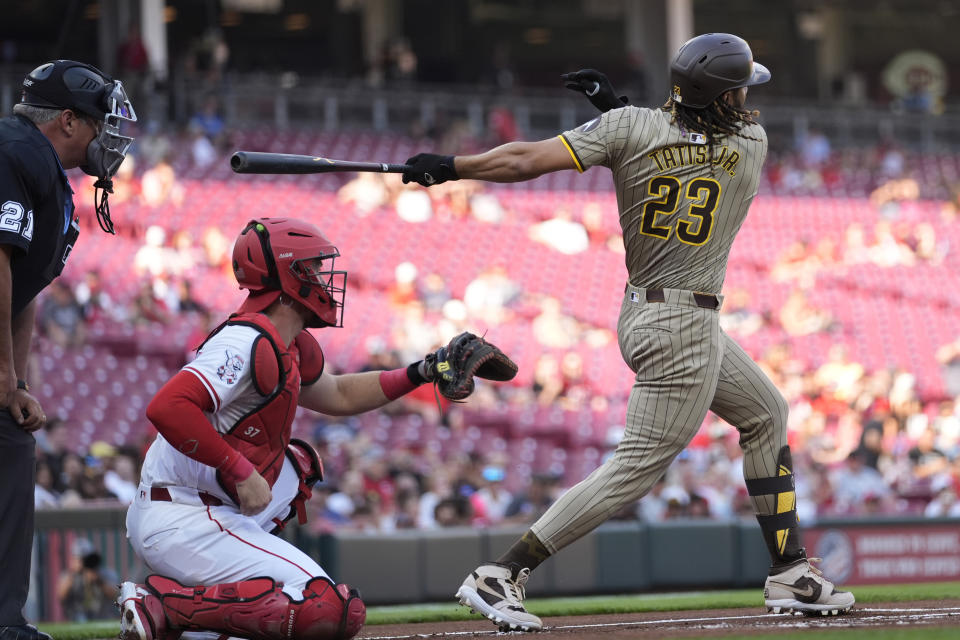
{"x":162,"y":494}
{"x":705,"y":300}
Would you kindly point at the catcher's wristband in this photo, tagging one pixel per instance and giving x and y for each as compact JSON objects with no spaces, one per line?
{"x":400,"y":382}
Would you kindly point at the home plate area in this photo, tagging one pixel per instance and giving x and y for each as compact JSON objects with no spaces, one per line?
{"x":702,"y":623}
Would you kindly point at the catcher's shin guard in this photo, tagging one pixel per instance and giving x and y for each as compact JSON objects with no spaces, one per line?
{"x":777,"y":514}
{"x":259,"y":608}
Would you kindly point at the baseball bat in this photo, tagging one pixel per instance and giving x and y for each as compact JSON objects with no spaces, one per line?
{"x":262,"y":162}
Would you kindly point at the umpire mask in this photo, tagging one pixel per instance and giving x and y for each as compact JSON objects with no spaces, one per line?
{"x":108,"y":149}
{"x":68,"y":84}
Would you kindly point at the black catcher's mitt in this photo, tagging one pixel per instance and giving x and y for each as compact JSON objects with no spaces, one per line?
{"x":454,"y":366}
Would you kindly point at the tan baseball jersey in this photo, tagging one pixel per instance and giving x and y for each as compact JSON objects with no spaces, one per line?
{"x":680,"y":208}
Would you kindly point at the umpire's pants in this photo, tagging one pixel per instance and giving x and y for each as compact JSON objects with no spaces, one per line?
{"x":17,"y":477}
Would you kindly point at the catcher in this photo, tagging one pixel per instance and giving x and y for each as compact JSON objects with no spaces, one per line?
{"x":224,"y":473}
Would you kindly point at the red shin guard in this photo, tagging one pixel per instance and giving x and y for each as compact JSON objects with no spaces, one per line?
{"x":260,"y":608}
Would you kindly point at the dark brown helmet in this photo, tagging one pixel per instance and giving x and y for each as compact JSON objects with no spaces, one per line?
{"x":706,"y":66}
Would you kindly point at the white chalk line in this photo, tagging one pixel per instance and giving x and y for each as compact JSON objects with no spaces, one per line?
{"x":914,"y":614}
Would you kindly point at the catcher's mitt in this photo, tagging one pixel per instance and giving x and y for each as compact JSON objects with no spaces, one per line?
{"x":467,"y":355}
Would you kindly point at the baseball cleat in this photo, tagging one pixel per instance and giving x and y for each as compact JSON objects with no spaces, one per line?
{"x":141,"y":614}
{"x":801,"y":588}
{"x":496,"y":591}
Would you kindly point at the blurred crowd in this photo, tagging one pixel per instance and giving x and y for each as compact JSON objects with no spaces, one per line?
{"x":864,"y":441}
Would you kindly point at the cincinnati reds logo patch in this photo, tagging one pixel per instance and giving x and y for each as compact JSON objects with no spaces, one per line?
{"x":230,"y":370}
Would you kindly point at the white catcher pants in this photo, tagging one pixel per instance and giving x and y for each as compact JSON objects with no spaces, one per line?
{"x":211,"y":545}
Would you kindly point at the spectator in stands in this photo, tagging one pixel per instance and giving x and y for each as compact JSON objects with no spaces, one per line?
{"x":561,"y":233}
{"x":739,"y":316}
{"x":403,"y":290}
{"x":888,"y":196}
{"x":592,"y":218}
{"x":489,"y":295}
{"x":948,"y":356}
{"x":889,"y":248}
{"x":70,"y":479}
{"x":216,"y":248}
{"x":854,"y":483}
{"x":553,"y":328}
{"x":366,"y":193}
{"x":799,"y":317}
{"x":433,"y":291}
{"x":944,"y":504}
{"x":653,"y":506}
{"x":438,"y":487}
{"x":146,"y":308}
{"x":534,"y":502}
{"x":54,"y":447}
{"x":159,"y":185}
{"x":454,"y":511}
{"x":95,"y":303}
{"x":87,"y":589}
{"x":61,"y":317}
{"x":202,"y":151}
{"x":186,"y":301}
{"x":493,"y":495}
{"x":120,"y":476}
{"x":208,"y":119}
{"x":413,"y":205}
{"x":814,"y":148}
{"x":44,"y":494}
{"x":926,"y":459}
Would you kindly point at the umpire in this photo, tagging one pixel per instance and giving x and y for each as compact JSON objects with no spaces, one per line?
{"x":69,"y":116}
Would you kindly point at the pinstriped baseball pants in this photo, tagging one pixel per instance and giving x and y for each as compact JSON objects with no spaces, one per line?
{"x":685,"y":365}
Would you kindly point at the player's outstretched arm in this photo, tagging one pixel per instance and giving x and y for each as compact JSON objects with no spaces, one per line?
{"x":511,"y":162}
{"x":346,"y":394}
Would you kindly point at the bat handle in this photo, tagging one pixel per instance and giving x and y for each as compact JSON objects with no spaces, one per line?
{"x":397,"y":168}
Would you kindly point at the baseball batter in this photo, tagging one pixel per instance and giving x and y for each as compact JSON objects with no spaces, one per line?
{"x":685,"y":176}
{"x":224,"y":473}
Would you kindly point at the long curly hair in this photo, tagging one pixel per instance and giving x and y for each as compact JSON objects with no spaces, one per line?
{"x":716,"y":121}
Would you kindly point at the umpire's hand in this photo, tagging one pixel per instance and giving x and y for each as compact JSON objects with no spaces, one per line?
{"x":24,"y":408}
{"x":429,"y":169}
{"x":596,"y":87}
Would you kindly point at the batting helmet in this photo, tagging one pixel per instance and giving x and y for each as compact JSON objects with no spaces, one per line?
{"x":67,"y":84}
{"x":275,"y":256}
{"x":708,"y":65}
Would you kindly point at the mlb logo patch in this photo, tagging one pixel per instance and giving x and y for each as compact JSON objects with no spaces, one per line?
{"x":698,"y":138}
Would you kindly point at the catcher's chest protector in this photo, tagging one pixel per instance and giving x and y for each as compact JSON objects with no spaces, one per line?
{"x":263,"y":434}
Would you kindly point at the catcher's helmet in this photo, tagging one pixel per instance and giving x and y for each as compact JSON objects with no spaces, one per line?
{"x":708,"y":65}
{"x":275,"y":256}
{"x":67,"y":84}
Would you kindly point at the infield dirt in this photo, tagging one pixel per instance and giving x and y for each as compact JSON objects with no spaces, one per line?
{"x":699,"y":623}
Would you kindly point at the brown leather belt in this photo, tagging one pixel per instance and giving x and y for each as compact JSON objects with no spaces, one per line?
{"x":161,"y":494}
{"x":705,"y":300}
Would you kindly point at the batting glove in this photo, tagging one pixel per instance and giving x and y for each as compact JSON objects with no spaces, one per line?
{"x":596,"y":87}
{"x":429,"y":169}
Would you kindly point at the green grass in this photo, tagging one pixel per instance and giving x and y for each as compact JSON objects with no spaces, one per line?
{"x":592,"y":605}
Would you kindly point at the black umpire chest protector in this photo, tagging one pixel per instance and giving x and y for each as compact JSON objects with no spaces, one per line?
{"x":37,"y":217}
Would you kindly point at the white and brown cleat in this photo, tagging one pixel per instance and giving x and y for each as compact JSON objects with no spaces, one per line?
{"x":497,"y":592}
{"x":801,"y":588}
